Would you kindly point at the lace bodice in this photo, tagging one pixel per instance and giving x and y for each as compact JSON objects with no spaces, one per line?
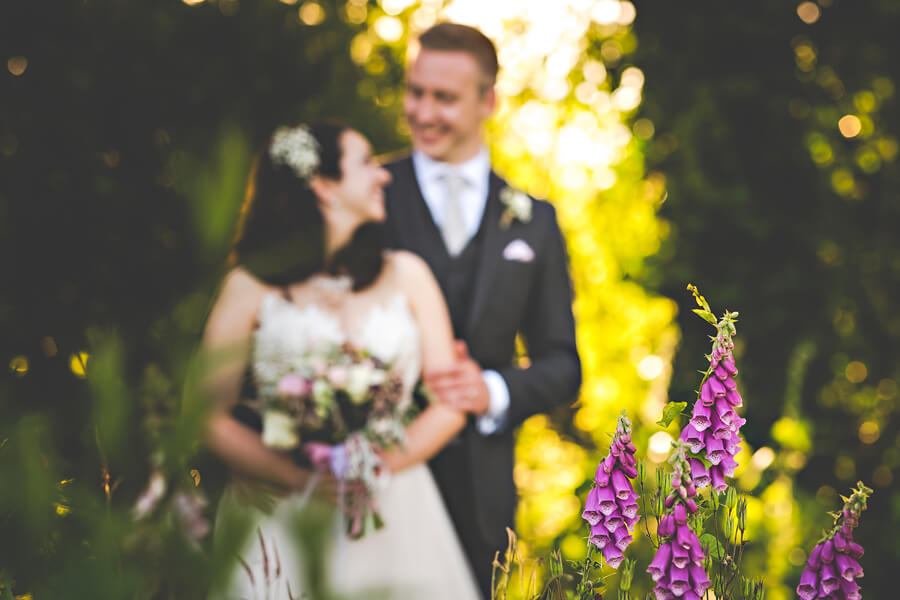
{"x":322,"y":314}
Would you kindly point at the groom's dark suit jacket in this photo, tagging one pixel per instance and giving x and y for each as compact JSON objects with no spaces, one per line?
{"x":491,"y":300}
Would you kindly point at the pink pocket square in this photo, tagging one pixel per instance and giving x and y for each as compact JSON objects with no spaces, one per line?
{"x":519,"y":251}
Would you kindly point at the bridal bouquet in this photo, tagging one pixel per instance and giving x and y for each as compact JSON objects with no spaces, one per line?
{"x":332,"y":408}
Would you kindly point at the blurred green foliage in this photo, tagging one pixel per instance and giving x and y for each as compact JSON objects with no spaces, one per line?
{"x":126,"y":133}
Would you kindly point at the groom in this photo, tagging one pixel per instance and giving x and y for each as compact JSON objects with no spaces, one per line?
{"x":500,"y":260}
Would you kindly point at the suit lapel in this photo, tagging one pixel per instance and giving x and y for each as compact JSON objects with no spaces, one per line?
{"x":490,"y":252}
{"x":422,"y":234}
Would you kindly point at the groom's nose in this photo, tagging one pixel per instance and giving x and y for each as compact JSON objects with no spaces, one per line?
{"x":424,"y":111}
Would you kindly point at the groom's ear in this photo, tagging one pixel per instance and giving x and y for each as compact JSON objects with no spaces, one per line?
{"x":488,"y":100}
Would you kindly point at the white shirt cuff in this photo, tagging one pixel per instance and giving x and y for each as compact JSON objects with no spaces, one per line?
{"x":490,"y":421}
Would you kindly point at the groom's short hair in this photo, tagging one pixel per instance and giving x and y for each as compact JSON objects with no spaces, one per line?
{"x":454,"y":37}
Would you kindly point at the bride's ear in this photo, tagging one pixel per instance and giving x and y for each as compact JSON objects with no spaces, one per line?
{"x":321,"y":187}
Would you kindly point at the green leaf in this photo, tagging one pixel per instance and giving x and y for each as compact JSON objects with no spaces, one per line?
{"x":672,"y":410}
{"x":711,"y":546}
{"x":705,"y":315}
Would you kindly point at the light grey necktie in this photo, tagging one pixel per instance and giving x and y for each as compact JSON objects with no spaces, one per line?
{"x":453,"y":226}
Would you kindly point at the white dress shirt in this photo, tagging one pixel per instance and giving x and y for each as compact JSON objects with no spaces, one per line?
{"x":476,"y":174}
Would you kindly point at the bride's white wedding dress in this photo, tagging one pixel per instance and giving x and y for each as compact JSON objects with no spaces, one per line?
{"x":416,"y":555}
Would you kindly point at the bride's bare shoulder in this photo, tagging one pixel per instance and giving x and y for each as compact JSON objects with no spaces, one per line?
{"x":409,"y":267}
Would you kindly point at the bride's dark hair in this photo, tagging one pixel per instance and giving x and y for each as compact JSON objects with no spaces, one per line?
{"x":281,"y":232}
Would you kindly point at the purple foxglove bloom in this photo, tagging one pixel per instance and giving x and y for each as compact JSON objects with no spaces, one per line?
{"x":690,"y":595}
{"x":623,"y":538}
{"x":629,"y":511}
{"x":599,"y":536}
{"x":724,"y":411}
{"x":681,"y":557}
{"x":693,"y":438}
{"x":613,"y":522}
{"x":827,"y":551}
{"x":809,"y":584}
{"x":606,"y":500}
{"x":850,"y":590}
{"x":728,"y":363}
{"x":815,"y":558}
{"x":621,"y":485}
{"x":715,"y":450}
{"x":730,"y":385}
{"x":728,"y":465}
{"x":591,"y":512}
{"x":721,"y":373}
{"x":666,"y":527}
{"x":663,"y":593}
{"x":679,"y":580}
{"x":734,"y":398}
{"x":699,"y":579}
{"x":627,"y":460}
{"x":854,"y":549}
{"x":613,"y":555}
{"x":840,"y":542}
{"x":700,"y":419}
{"x":706,"y":394}
{"x":828,"y":581}
{"x":680,"y":514}
{"x":718,"y":388}
{"x":691,"y":505}
{"x":732,"y":444}
{"x":630,"y":471}
{"x":660,"y":563}
{"x":847,"y":567}
{"x":699,"y":473}
{"x":717,"y":478}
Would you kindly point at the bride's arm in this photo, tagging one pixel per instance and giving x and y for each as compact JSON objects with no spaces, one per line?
{"x":226,"y":349}
{"x":438,"y":423}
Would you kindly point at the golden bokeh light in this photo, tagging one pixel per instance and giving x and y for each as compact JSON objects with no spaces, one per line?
{"x":856,"y":372}
{"x":17,"y":65}
{"x":763,"y":458}
{"x":193,"y":2}
{"x":78,"y":364}
{"x":19,"y":365}
{"x":311,"y":13}
{"x":869,"y":432}
{"x":395,"y":7}
{"x":289,"y":2}
{"x":882,"y":477}
{"x":389,"y":29}
{"x":644,"y":129}
{"x":850,"y":126}
{"x":658,"y":446}
{"x":809,"y":12}
{"x":651,"y":367}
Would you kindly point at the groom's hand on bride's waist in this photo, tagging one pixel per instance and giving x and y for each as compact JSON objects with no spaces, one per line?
{"x":461,"y":385}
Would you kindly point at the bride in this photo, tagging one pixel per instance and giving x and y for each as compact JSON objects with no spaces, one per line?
{"x":308,"y":269}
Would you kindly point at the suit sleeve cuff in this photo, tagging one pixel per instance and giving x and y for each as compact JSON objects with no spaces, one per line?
{"x":491,"y":421}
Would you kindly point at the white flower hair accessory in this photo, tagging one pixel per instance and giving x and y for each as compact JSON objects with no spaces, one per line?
{"x":297,"y":148}
{"x":517,"y":206}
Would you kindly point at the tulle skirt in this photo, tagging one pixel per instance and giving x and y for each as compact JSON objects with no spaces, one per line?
{"x":299,"y":549}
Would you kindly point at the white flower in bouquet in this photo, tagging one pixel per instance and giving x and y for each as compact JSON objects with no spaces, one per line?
{"x":360,"y":380}
{"x":338,"y":376}
{"x":279,"y":430}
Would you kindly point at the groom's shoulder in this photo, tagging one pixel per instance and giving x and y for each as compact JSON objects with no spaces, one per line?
{"x":543,"y":212}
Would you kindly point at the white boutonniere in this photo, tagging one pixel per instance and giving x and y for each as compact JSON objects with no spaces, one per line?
{"x":517,"y":206}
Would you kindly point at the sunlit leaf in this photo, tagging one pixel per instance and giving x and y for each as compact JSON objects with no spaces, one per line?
{"x":670,"y":412}
{"x":705,"y":315}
